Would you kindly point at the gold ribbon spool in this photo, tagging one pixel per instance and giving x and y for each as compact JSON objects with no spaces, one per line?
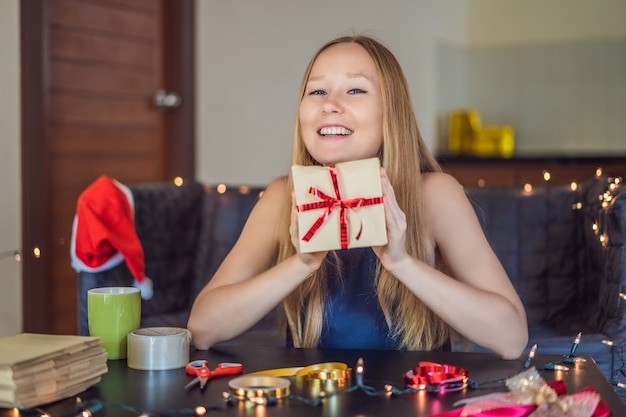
{"x":326,"y":370}
{"x":320,"y":377}
{"x":259,"y":388}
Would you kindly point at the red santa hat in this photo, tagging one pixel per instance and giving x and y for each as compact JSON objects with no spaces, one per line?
{"x":103,"y":234}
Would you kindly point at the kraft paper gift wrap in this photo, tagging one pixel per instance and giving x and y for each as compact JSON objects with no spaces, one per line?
{"x":360,"y":199}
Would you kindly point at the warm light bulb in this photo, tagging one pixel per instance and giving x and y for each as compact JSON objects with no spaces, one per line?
{"x":528,"y":187}
{"x":200,"y":411}
{"x":546,"y":176}
{"x":221,"y":188}
{"x":594,"y":227}
{"x":608,"y":342}
{"x":244,"y":189}
{"x":36,"y":252}
{"x":481,"y":183}
{"x":603,"y":240}
{"x":577,"y":206}
{"x":622,"y":295}
{"x":573,"y":186}
{"x":531,"y":356}
{"x":555,"y":367}
{"x":620,"y":385}
{"x":359,"y":366}
{"x":598,"y":172}
{"x":178,"y":181}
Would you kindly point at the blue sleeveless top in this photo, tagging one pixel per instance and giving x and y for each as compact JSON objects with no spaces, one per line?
{"x":353,"y":318}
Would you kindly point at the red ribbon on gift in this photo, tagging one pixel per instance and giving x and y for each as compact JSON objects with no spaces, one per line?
{"x":330,"y":203}
{"x":432,"y":376}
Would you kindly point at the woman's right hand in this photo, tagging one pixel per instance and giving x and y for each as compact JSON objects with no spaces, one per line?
{"x":312,"y":260}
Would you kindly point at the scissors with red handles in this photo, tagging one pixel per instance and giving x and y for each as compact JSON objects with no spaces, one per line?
{"x":200,"y":368}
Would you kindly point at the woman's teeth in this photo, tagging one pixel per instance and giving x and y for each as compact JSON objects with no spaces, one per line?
{"x":332,"y":131}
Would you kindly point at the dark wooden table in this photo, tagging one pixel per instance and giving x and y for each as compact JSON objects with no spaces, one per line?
{"x":158,"y":391}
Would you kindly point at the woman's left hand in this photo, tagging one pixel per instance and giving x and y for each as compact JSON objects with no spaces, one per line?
{"x":395,"y":249}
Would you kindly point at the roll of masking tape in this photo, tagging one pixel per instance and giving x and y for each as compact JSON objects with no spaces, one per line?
{"x":158,"y":348}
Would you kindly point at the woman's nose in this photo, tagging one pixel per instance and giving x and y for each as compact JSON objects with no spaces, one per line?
{"x":332,"y":105}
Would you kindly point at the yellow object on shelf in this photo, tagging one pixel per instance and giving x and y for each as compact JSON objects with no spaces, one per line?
{"x":467,"y":136}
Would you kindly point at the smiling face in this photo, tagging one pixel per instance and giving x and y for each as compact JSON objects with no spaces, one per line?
{"x":341,"y":111}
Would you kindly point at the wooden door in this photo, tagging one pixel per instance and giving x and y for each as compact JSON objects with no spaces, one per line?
{"x":90,"y":70}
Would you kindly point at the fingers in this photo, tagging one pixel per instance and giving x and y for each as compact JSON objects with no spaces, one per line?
{"x":394,"y":216}
{"x":293,"y":226}
{"x":315,"y":259}
{"x":395,"y":220}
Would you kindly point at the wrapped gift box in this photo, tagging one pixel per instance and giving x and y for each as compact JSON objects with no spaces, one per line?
{"x":340,"y":206}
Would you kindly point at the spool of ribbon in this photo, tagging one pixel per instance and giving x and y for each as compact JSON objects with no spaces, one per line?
{"x":259,"y":389}
{"x":327,"y":377}
{"x":325,"y":370}
{"x":430,"y":376}
{"x":158,"y":348}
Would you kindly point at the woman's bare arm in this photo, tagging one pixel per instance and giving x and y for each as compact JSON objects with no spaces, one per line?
{"x":477,"y":299}
{"x":247,"y":286}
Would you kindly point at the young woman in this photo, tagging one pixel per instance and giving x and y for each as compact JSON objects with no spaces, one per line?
{"x":437,"y":274}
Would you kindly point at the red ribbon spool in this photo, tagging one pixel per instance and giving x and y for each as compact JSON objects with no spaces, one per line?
{"x":437,"y":377}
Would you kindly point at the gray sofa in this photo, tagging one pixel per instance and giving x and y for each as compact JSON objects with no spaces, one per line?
{"x":568,"y":278}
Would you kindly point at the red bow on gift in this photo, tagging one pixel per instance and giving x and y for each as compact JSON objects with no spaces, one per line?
{"x":330,"y":203}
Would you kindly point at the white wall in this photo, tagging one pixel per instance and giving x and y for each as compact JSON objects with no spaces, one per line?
{"x":249,"y":71}
{"x":10,"y":219}
{"x":251,"y":56}
{"x":556,"y":72}
{"x":498,"y":22}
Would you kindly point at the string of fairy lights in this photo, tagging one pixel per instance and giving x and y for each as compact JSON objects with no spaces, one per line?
{"x":259,"y":397}
{"x":38,"y":250}
{"x":618,"y":362}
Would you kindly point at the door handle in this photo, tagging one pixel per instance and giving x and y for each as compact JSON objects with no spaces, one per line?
{"x":167,"y":100}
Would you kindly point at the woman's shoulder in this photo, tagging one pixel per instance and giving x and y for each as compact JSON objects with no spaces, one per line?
{"x":273,"y":196}
{"x":277,"y":188}
{"x":438,"y":183}
{"x":443,"y":195}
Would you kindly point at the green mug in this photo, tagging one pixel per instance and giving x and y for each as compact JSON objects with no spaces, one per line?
{"x":113,"y":312}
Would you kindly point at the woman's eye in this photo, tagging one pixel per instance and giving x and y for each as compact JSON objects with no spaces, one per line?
{"x":317,"y":93}
{"x":356,"y":91}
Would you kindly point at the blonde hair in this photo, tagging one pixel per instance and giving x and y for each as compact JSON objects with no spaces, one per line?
{"x":404,"y":156}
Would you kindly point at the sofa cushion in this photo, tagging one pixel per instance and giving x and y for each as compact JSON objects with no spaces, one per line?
{"x":166,"y":220}
{"x":536,"y":237}
{"x":223,"y":217}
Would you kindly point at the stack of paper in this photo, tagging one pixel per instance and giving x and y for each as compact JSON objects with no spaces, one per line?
{"x":37,"y":369}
